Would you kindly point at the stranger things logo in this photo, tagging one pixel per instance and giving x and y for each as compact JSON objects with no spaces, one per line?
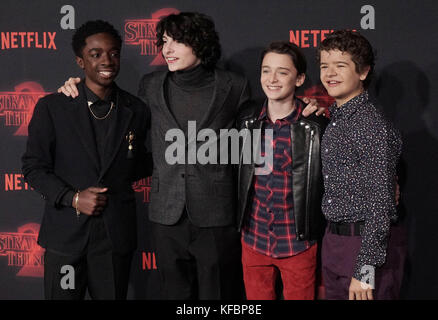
{"x":21,"y":250}
{"x":142,"y":33}
{"x":143,"y":187}
{"x":16,"y":107}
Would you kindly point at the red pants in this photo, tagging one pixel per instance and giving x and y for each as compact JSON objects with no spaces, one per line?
{"x":297,"y":273}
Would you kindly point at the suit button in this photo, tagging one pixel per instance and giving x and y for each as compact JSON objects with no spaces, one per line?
{"x":182,"y":175}
{"x":301,"y":236}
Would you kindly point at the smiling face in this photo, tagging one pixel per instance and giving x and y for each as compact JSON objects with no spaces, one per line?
{"x":100,"y":61}
{"x":340,"y":77}
{"x":178,"y":56}
{"x":279,"y":77}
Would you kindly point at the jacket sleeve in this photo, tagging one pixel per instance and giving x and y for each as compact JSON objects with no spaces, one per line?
{"x":38,"y":160}
{"x":245,"y":96}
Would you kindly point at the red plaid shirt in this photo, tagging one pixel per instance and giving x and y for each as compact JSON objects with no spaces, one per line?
{"x":269,"y":226}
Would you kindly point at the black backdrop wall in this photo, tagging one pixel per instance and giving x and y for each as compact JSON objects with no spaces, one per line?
{"x":36,"y":58}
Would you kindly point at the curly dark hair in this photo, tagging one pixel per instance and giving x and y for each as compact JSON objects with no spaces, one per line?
{"x":284,"y":47}
{"x":88,"y":29}
{"x":195,"y":30}
{"x":356,"y":45}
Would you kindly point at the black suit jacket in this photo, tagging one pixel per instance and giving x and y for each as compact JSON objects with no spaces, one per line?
{"x":208,"y":191}
{"x":61,"y":155}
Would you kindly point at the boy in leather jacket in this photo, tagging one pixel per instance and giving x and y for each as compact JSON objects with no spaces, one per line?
{"x":280,"y":208}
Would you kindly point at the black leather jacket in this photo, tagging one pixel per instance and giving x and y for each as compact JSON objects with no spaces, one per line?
{"x":307,"y":179}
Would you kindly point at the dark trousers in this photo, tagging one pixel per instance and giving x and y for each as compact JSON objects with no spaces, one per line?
{"x":104,"y":273}
{"x":198,"y":263}
{"x":338,"y":260}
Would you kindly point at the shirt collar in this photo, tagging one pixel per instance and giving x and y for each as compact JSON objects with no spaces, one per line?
{"x":350,"y":107}
{"x":93,"y":98}
{"x":291,"y":118}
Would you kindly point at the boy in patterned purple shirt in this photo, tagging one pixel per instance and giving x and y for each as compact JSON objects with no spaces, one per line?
{"x":360,"y":151}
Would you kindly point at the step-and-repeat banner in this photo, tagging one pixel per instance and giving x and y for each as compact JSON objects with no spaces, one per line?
{"x":36,"y":58}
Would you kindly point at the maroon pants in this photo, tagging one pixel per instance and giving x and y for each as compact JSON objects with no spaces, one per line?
{"x":297,"y":273}
{"x":339,"y":257}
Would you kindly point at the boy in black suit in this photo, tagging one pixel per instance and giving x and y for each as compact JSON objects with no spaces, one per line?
{"x":82,"y":156}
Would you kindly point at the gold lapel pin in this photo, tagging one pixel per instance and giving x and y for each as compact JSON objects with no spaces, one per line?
{"x":130,"y":137}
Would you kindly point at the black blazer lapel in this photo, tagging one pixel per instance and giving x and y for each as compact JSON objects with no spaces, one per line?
{"x":117,"y":130}
{"x":221,"y":90}
{"x":82,"y":124}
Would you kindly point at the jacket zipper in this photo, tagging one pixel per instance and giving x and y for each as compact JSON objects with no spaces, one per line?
{"x":309,"y":162}
{"x":252,"y":173}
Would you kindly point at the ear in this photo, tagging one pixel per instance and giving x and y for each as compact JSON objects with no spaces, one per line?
{"x":300,"y":80}
{"x":363,"y":75}
{"x":80,"y":62}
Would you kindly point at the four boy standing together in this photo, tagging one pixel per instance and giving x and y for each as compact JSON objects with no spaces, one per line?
{"x":193,"y":207}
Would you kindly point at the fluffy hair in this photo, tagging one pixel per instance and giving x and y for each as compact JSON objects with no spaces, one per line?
{"x":356,"y":45}
{"x":195,"y":30}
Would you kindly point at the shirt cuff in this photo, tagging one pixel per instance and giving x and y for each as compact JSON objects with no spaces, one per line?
{"x":67,"y":199}
{"x":366,"y":273}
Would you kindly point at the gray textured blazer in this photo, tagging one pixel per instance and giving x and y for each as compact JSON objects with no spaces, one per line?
{"x":208,"y":191}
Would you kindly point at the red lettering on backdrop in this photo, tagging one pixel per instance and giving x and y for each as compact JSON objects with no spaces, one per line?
{"x":308,"y":38}
{"x":17,"y":107}
{"x":22,"y":250}
{"x":16,"y":40}
{"x":149,"y":261}
{"x":15,"y":182}
{"x":141,"y":32}
{"x":304,"y":39}
{"x":143,"y":186}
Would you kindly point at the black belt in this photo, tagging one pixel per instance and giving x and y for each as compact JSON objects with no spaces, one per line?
{"x":346,"y":229}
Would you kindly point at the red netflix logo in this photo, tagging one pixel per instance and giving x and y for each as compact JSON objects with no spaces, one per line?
{"x":308,"y":38}
{"x":39,"y":40}
{"x":149,"y":261}
{"x":17,"y":107}
{"x":142,"y":33}
{"x":15,"y":182}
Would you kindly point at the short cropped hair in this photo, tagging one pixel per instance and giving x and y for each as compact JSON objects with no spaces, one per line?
{"x":356,"y":45}
{"x":284,"y":47}
{"x":90,"y":28}
{"x":195,"y":30}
